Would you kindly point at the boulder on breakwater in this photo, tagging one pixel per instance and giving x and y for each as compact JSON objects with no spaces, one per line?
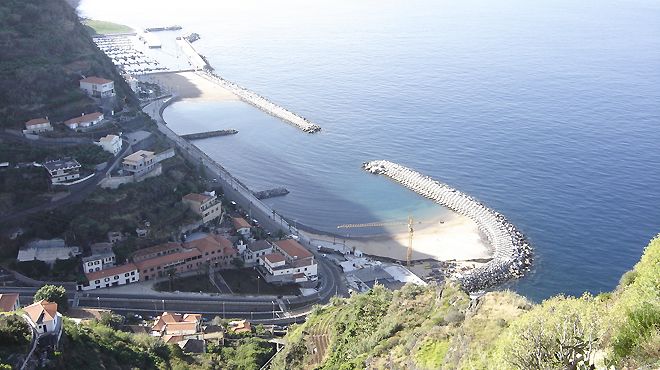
{"x":512,"y":253}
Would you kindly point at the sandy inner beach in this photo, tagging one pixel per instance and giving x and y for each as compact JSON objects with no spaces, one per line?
{"x":456,"y":238}
{"x":192,"y":86}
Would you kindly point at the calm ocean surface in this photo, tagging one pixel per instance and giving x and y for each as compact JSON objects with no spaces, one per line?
{"x":547,"y":111}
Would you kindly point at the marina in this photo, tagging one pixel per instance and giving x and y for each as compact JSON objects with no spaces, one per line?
{"x":512,"y":254}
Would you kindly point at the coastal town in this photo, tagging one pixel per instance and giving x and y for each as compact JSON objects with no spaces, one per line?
{"x":215,"y":253}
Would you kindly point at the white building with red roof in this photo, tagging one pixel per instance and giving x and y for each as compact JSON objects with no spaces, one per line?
{"x":289,"y":262}
{"x":114,"y":276}
{"x":84,"y":121}
{"x":205,"y":205}
{"x":97,"y":87}
{"x":37,"y":125}
{"x":241,"y":226}
{"x":43,"y":317}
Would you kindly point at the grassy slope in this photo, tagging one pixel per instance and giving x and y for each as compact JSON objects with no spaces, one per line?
{"x":45,"y":50}
{"x":104,"y":28}
{"x":438,"y":327}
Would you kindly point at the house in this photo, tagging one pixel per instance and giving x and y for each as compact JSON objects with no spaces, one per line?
{"x":240,"y":326}
{"x":289,"y":262}
{"x":180,"y":262}
{"x":37,"y":125}
{"x":176,"y":324}
{"x":143,"y":162}
{"x":102,"y":258}
{"x":9,"y":302}
{"x":47,"y":251}
{"x":62,"y":170}
{"x":97,"y":87}
{"x":84,"y":120}
{"x":113,"y":276}
{"x":216,"y":250}
{"x":256,"y":250}
{"x":212,"y":251}
{"x":110,"y":143}
{"x":115,"y":236}
{"x":44,"y":318}
{"x":205,"y":205}
{"x":242,"y":227}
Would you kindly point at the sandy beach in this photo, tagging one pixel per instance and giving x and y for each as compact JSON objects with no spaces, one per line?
{"x":192,"y":86}
{"x":453,"y":237}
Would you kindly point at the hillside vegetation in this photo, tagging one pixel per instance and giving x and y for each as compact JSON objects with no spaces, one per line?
{"x":45,"y":51}
{"x":440,"y":327}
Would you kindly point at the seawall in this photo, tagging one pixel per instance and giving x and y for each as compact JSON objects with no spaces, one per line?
{"x":512,"y":254}
{"x":200,"y":64}
{"x":264,"y":104}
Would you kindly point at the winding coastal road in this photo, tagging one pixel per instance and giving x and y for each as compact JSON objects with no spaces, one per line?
{"x":77,"y":192}
{"x":262,"y":308}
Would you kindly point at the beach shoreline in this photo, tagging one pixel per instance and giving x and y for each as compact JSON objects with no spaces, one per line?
{"x":445,"y":237}
{"x":451,"y":237}
{"x":190,"y":86}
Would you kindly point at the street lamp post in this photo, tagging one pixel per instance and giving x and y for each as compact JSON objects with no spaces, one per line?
{"x":162,"y":300}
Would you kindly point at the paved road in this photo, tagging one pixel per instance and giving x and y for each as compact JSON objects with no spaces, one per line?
{"x":258,"y":308}
{"x":78,"y":192}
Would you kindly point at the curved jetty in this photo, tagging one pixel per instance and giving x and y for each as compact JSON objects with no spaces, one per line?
{"x":512,"y":254}
{"x":264,"y":104}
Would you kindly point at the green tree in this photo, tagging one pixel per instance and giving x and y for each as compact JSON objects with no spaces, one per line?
{"x":14,"y":331}
{"x":52,"y":293}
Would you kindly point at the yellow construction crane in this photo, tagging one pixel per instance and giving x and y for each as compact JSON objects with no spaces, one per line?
{"x":410,"y":224}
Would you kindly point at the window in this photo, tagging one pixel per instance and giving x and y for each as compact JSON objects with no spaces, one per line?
{"x":116,"y":277}
{"x":97,"y":281}
{"x":126,"y":274}
{"x":106,"y":279}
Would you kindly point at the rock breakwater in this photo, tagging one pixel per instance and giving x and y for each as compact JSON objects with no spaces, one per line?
{"x":512,"y":253}
{"x":264,"y":104}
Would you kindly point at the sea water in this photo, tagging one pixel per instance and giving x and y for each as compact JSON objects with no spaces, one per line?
{"x":547,"y":111}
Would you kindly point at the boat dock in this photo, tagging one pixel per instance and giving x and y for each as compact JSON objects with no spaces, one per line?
{"x":512,"y":254}
{"x":264,"y":104}
{"x":204,"y":135}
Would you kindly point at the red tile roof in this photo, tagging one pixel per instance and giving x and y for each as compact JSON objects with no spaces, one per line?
{"x":118,"y":270}
{"x":7,"y":301}
{"x":84,"y":118}
{"x":211,"y":243}
{"x":199,"y":198}
{"x":156,"y":249}
{"x":96,"y":80}
{"x":166,"y":259}
{"x":36,"y":121}
{"x":42,"y":311}
{"x":239,"y":223}
{"x":273,"y":257}
{"x":168,"y":318}
{"x":293,"y":249}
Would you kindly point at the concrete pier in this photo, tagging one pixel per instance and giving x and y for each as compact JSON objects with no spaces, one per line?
{"x":264,"y":104}
{"x":512,"y":254}
{"x":204,"y":135}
